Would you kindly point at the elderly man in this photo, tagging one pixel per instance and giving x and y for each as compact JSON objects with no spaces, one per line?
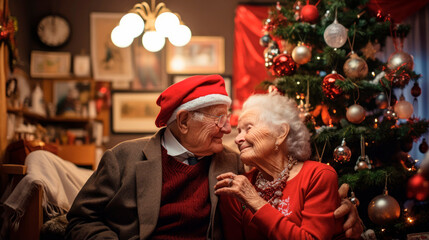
{"x":162,"y":187}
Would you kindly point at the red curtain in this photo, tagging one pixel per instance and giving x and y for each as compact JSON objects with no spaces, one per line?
{"x":249,"y":69}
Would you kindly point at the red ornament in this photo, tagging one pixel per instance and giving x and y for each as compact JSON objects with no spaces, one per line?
{"x":379,"y":16}
{"x":276,"y":19}
{"x":7,"y":30}
{"x":416,"y":90}
{"x":297,"y":9}
{"x":398,"y":77}
{"x":309,"y":13}
{"x":406,"y":144}
{"x":423,"y":147}
{"x":283,"y":65}
{"x":269,"y":25}
{"x":418,"y":187}
{"x":328,"y":85}
{"x":388,"y":18}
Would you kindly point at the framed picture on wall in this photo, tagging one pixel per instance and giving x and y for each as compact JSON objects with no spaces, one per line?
{"x":109,"y":62}
{"x":71,"y":97}
{"x":150,"y":74}
{"x":134,"y":112}
{"x":202,"y":55}
{"x":50,"y":64}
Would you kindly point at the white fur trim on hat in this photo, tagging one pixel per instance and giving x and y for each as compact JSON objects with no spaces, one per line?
{"x":201,"y":102}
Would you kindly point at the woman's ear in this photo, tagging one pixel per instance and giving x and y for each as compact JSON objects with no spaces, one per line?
{"x":283,"y":132}
{"x":182,"y":120}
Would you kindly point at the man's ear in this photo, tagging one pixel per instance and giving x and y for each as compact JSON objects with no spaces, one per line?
{"x":182,"y":119}
{"x":283,"y":132}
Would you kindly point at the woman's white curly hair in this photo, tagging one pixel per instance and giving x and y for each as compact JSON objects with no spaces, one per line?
{"x":275,"y":110}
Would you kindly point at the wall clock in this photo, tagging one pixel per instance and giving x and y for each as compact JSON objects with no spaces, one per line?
{"x":53,"y":30}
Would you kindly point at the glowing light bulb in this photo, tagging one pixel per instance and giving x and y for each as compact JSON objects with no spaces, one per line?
{"x":166,"y":22}
{"x":153,"y":41}
{"x":120,"y":37}
{"x":180,"y":36}
{"x":133,"y":24}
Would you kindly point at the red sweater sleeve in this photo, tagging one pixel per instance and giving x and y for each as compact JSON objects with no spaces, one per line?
{"x":320,"y":200}
{"x":231,"y":217}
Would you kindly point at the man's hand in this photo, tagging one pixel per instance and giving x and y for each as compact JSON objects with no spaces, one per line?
{"x":353,"y":225}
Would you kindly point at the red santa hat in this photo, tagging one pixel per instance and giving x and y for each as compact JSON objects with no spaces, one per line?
{"x":191,"y":94}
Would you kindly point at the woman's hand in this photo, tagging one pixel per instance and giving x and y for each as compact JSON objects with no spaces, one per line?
{"x":353,"y":225}
{"x":239,"y":186}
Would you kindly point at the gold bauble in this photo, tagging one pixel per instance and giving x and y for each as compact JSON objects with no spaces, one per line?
{"x":403,"y":109}
{"x":355,"y":67}
{"x":301,"y":54}
{"x":383,"y":209}
{"x":399,"y":59}
{"x":355,"y":114}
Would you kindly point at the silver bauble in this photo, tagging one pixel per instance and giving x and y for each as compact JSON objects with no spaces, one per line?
{"x":362,"y":165}
{"x":342,"y":153}
{"x":355,"y":67}
{"x":271,"y":52}
{"x":400,"y":58}
{"x":403,"y":109}
{"x":301,"y":54}
{"x":355,"y":113}
{"x":383,"y":209}
{"x":381,"y":101}
{"x":265,"y":40}
{"x":335,"y":35}
{"x":269,"y":55}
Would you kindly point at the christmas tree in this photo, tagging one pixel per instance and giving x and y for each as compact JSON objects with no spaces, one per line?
{"x":323,"y":54}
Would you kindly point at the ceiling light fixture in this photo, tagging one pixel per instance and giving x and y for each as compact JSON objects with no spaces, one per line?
{"x":157,"y":23}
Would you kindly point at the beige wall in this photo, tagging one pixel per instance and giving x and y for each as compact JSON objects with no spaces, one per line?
{"x":204,"y":18}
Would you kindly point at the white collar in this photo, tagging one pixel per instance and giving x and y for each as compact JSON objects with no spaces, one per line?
{"x":174,"y":148}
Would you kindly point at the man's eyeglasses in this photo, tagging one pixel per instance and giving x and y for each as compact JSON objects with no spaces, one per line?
{"x":220,"y":121}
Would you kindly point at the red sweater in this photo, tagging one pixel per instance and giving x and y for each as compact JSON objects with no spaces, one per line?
{"x":185,"y":201}
{"x":306,"y":211}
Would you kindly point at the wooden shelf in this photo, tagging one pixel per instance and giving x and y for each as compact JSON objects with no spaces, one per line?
{"x":70,"y":77}
{"x":70,"y":120}
{"x":59,"y":119}
{"x":26,"y":113}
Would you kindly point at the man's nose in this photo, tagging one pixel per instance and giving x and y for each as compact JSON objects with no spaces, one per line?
{"x":226,"y":128}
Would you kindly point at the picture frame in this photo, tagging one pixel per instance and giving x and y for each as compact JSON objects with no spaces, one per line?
{"x":50,"y":64}
{"x":202,"y":55}
{"x":134,"y":112}
{"x":150,"y":74}
{"x":81,"y":66}
{"x":418,"y":236}
{"x":109,"y":63}
{"x":71,"y":97}
{"x":228,"y":83}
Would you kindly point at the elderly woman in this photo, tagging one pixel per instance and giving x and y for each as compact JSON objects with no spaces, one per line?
{"x":284,"y":196}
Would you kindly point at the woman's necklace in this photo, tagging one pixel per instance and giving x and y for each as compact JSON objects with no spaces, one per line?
{"x":272,"y":191}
